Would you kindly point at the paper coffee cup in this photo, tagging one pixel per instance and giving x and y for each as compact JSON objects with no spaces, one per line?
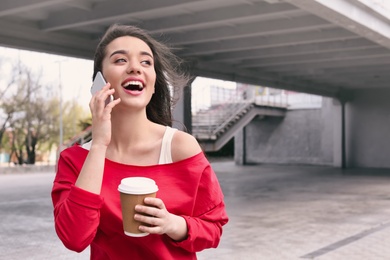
{"x":133,"y":191}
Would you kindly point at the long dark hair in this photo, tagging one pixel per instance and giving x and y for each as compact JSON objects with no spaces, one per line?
{"x":166,"y":64}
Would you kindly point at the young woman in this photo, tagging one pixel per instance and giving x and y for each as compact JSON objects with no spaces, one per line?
{"x":132,"y":136}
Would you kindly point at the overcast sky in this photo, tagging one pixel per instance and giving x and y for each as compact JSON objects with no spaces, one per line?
{"x":75,"y":74}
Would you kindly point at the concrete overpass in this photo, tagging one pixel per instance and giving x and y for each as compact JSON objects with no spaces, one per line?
{"x":335,"y":48}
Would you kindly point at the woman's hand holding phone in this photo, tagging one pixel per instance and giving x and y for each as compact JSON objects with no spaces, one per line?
{"x":101,"y":106}
{"x":91,"y":174}
{"x":98,"y":83}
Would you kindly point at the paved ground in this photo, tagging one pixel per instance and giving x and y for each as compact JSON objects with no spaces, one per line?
{"x":276,"y":212}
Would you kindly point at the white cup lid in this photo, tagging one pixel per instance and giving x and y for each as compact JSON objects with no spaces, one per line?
{"x":137,"y":185}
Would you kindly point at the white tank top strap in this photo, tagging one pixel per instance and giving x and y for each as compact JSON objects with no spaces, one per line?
{"x":87,"y":145}
{"x":165,"y":153}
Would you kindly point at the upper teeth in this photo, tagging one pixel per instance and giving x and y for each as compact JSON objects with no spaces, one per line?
{"x":133,"y":82}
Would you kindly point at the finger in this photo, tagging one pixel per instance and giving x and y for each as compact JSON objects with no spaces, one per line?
{"x":151,"y":230}
{"x":150,"y":211}
{"x":101,"y":100}
{"x":105,"y":93}
{"x":147,"y":219}
{"x":149,"y":224}
{"x":107,"y":86}
{"x":104,"y":88}
{"x":91,"y":102}
{"x":113,"y":103}
{"x":156,"y":202}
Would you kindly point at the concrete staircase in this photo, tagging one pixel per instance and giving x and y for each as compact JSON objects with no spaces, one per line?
{"x":214,"y":127}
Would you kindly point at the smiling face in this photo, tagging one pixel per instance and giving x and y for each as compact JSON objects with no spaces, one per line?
{"x":128,"y":65}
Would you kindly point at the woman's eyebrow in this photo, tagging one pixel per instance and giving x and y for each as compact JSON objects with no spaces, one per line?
{"x":147,"y":54}
{"x":118,"y":52}
{"x":126,"y":52}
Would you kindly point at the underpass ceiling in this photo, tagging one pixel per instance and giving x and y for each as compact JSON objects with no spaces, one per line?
{"x":300,"y":45}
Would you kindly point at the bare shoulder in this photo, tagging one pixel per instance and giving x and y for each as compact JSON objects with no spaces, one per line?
{"x":184,"y":146}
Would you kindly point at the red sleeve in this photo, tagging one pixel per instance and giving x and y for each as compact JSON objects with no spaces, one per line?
{"x":76,"y":211}
{"x":205,"y":226}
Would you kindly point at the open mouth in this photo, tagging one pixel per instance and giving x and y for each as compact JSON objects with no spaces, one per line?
{"x":133,"y":85}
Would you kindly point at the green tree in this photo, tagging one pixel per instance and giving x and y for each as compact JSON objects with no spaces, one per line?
{"x":6,"y":111}
{"x":73,"y":116}
{"x":27,"y":114}
{"x":33,"y":117}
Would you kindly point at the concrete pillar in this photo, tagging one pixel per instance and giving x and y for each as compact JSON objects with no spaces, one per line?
{"x":240,"y":147}
{"x":182,"y":111}
{"x":337,"y":133}
{"x":187,"y":108}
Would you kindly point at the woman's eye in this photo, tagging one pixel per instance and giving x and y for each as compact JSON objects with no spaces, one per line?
{"x":120,"y":60}
{"x":146,"y":62}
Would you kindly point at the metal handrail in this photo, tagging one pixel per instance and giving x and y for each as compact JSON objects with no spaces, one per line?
{"x":208,"y":123}
{"x":231,"y":118}
{"x":219,"y":116}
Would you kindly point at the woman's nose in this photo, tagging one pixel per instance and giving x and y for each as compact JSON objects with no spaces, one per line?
{"x":133,"y":67}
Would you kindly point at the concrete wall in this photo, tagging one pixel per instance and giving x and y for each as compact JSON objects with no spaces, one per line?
{"x":313,"y":136}
{"x":303,"y":136}
{"x":368,"y":129}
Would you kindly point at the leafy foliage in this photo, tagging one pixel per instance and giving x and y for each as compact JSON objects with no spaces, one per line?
{"x":30,"y":117}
